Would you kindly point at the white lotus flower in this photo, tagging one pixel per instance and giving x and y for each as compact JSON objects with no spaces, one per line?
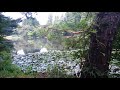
{"x":20,"y":52}
{"x":43,"y":50}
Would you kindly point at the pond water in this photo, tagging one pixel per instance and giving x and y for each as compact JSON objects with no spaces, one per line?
{"x":35,"y":45}
{"x":32,"y":45}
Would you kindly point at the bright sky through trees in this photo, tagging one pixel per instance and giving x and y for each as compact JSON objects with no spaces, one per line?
{"x":42,"y":17}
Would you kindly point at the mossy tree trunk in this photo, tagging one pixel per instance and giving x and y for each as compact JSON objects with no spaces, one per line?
{"x":97,"y":62}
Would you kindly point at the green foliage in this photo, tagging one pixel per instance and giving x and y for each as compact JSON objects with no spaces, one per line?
{"x":116,"y":47}
{"x":31,"y":33}
{"x":74,"y":21}
{"x":4,"y":46}
{"x":50,"y":19}
{"x":31,"y":22}
{"x":8,"y":70}
{"x":4,"y":22}
{"x":92,"y":72}
{"x":57,"y":72}
{"x":115,"y":57}
{"x":5,"y":55}
{"x":42,"y":32}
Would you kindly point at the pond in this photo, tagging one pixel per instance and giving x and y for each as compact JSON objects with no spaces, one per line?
{"x":31,"y":45}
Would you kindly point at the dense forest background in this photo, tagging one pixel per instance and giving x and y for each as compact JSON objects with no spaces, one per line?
{"x":90,"y":39}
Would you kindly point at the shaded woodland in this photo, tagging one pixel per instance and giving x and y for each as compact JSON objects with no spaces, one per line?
{"x":76,"y":45}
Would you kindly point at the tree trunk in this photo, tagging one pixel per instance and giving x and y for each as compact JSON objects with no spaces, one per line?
{"x":97,"y":61}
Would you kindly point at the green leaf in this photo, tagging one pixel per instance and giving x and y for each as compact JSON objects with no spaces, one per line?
{"x":93,"y":31}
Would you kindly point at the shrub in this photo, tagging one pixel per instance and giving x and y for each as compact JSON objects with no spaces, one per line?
{"x":57,"y":72}
{"x":8,"y":70}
